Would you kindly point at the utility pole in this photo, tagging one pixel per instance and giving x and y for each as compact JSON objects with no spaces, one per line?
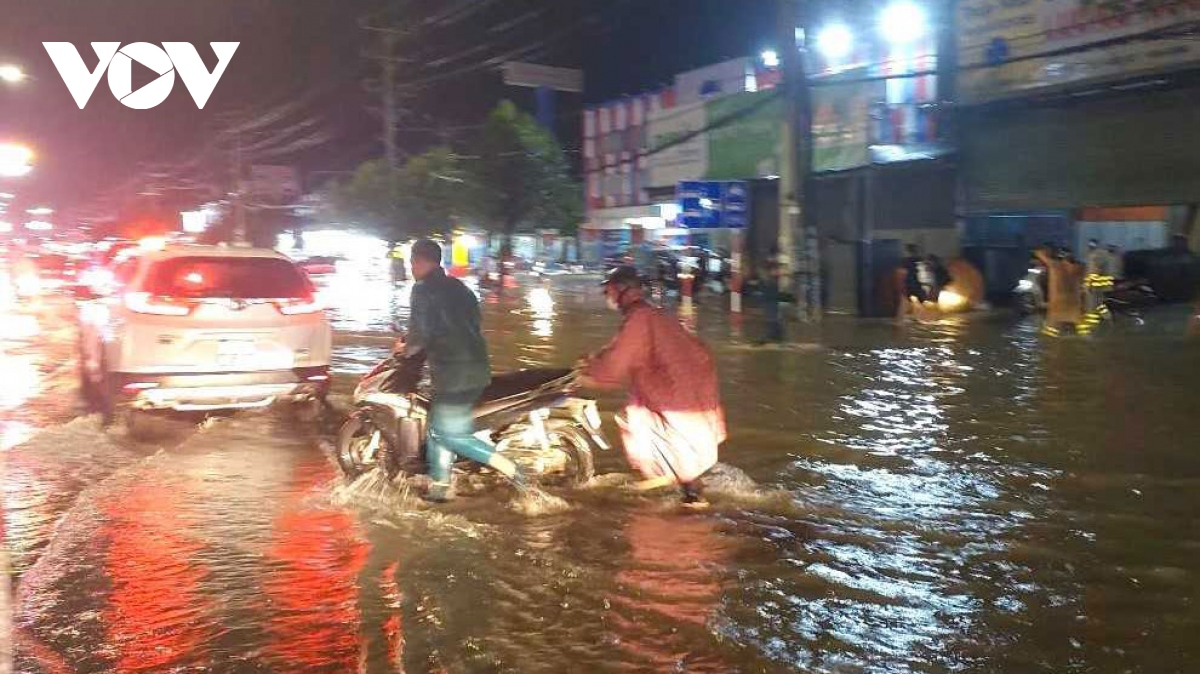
{"x":389,"y":41}
{"x":239,"y":189}
{"x":799,"y":254}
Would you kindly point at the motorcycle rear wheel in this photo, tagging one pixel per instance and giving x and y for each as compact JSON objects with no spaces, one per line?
{"x":581,"y":463}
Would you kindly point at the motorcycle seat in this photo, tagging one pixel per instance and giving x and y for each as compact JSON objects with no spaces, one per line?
{"x":513,"y":389}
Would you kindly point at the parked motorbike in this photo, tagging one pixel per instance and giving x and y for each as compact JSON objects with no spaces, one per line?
{"x":1130,"y":297}
{"x":535,"y":417}
{"x":1127,"y":297}
{"x":1031,"y":292}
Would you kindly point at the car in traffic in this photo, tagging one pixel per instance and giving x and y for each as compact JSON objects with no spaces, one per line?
{"x":319,"y":265}
{"x":199,"y":328}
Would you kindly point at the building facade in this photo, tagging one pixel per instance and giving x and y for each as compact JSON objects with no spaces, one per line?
{"x":1078,"y":122}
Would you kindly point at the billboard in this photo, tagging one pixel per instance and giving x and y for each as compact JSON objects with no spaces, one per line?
{"x":273,"y":184}
{"x":728,"y":138}
{"x":1007,"y":48}
{"x":714,"y":81}
{"x":678,"y":146}
{"x":841,"y":125}
{"x":747,"y":145}
{"x":519,"y":74}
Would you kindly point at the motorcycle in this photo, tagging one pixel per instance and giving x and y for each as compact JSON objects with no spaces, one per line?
{"x":535,"y":417}
{"x":1130,"y":297}
{"x":1031,"y":292}
{"x":1126,"y":298}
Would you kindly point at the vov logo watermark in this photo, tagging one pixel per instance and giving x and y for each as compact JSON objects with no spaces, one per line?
{"x":118,"y":60}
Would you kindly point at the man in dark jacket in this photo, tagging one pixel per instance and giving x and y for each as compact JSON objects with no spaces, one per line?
{"x":444,"y":330}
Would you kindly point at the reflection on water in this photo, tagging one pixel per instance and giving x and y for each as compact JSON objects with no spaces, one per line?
{"x":962,"y":496}
{"x":541,"y":306}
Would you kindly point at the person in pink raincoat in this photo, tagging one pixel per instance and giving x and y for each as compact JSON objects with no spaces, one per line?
{"x":673,"y":421}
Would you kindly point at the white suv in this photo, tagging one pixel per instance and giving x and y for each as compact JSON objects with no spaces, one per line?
{"x":196,"y":328}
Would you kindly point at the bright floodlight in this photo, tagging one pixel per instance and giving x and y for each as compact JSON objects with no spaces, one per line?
{"x":835,"y":41}
{"x":903,"y":23}
{"x":15,"y":161}
{"x":770,"y":58}
{"x":11,"y":73}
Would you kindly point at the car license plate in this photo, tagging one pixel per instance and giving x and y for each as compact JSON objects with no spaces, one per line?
{"x":236,"y":353}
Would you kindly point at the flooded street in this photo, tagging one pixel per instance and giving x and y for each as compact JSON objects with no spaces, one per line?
{"x":964,"y":496}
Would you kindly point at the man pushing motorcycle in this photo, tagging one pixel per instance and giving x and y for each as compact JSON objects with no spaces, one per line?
{"x":673,"y":421}
{"x":444,"y":330}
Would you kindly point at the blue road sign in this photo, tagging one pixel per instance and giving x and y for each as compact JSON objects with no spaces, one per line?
{"x":711,"y":204}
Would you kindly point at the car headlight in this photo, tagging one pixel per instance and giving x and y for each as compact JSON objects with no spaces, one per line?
{"x":1025,"y":285}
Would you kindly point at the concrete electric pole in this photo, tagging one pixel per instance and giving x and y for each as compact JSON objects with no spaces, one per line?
{"x":799,"y":254}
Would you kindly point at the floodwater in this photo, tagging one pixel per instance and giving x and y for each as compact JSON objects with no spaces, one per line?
{"x":964,"y":496}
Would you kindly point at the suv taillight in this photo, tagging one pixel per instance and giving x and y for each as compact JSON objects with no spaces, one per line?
{"x":145,"y":303}
{"x":299,"y":305}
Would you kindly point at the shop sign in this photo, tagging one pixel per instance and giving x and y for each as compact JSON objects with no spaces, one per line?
{"x":1008,"y":47}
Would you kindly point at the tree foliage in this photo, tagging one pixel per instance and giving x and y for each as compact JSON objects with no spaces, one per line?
{"x":422,"y":197}
{"x":371,"y":198}
{"x":519,"y":176}
{"x":433,"y":186}
{"x":512,"y":176}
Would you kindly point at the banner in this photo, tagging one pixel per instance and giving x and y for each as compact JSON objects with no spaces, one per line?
{"x":841,"y":126}
{"x":1001,"y":43}
{"x":678,"y":160}
{"x":748,"y":145}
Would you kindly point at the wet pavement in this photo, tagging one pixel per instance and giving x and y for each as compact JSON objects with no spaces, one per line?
{"x":963,"y":496}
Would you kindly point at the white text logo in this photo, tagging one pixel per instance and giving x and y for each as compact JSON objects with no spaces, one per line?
{"x":118,"y":60}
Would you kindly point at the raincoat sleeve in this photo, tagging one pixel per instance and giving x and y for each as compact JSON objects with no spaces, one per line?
{"x":628,"y":350}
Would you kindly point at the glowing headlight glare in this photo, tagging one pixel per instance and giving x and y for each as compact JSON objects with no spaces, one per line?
{"x":950,"y":301}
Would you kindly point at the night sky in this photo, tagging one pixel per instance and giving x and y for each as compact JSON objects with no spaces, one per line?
{"x":310,"y":53}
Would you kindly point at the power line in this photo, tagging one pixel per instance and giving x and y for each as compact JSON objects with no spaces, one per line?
{"x":516,"y":53}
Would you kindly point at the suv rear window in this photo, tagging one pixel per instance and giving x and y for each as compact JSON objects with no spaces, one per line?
{"x":232,"y":277}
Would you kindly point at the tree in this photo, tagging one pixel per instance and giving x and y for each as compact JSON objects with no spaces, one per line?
{"x":520,"y":177}
{"x":373,"y":198}
{"x":433,"y":184}
{"x":419,"y":199}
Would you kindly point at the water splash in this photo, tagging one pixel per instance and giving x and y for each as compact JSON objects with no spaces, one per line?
{"x":533,"y":502}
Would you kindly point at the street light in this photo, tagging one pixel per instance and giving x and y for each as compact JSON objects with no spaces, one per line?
{"x":15,"y":160}
{"x":835,"y":42}
{"x":40,"y":210}
{"x":903,"y":23}
{"x":11,"y":73}
{"x":770,"y":58}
